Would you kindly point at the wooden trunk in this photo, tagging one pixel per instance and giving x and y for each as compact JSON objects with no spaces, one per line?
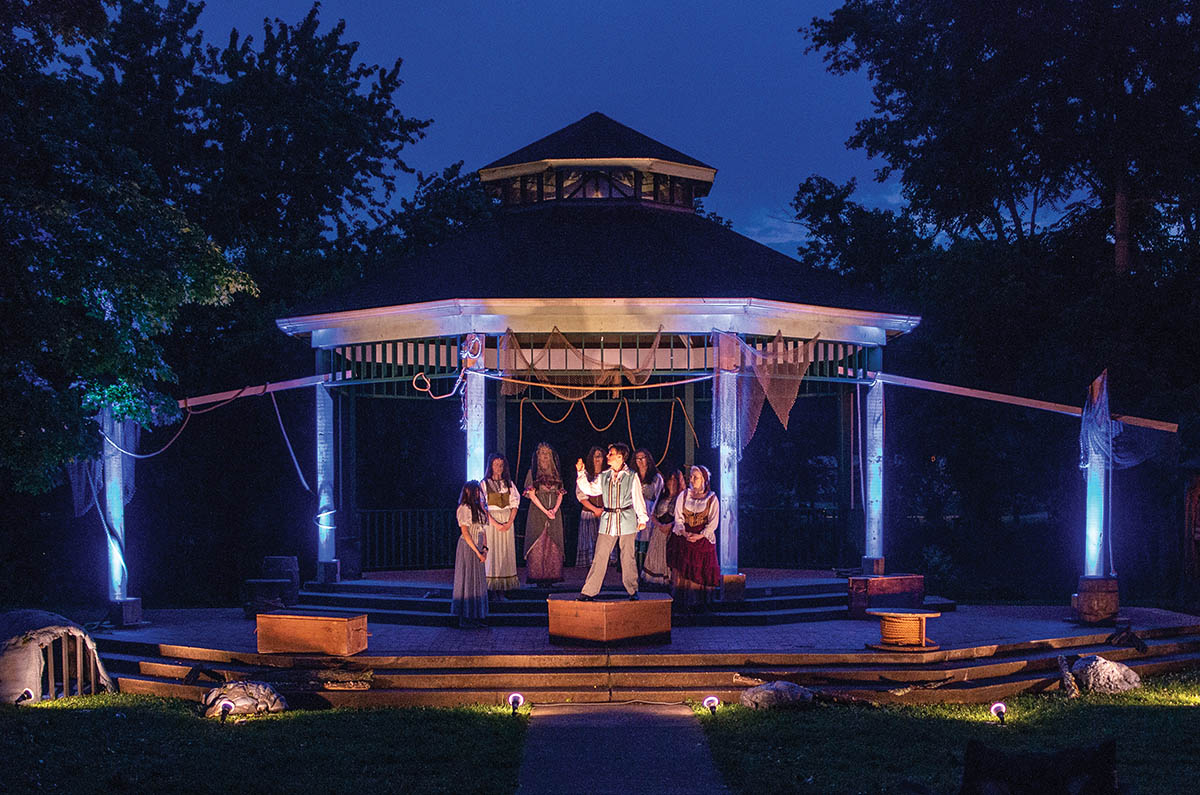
{"x":733,"y":587}
{"x":311,"y":634}
{"x":887,"y":590}
{"x":606,"y":621}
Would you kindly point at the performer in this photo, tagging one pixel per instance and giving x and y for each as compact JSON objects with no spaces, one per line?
{"x":696,"y":516}
{"x":544,"y":525}
{"x":502,"y":501}
{"x":592,"y":508}
{"x":652,"y":485}
{"x":662,"y":524}
{"x":624,"y":516}
{"x":469,"y":598}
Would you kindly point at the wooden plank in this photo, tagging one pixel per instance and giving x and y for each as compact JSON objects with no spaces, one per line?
{"x":261,"y":389}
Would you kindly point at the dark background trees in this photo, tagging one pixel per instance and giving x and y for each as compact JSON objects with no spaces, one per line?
{"x":1045,"y":154}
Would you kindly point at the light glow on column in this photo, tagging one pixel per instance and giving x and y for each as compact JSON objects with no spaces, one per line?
{"x":473,"y":408}
{"x":114,"y":506}
{"x":1094,"y":520}
{"x":873,"y":470}
{"x":727,"y":458}
{"x":326,"y":524}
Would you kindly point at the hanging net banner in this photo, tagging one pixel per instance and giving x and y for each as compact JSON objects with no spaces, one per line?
{"x":770,"y":374}
{"x":81,"y":474}
{"x":569,"y":372}
{"x":1120,"y":445}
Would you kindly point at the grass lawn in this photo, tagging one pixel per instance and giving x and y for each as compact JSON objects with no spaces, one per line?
{"x":839,"y":749}
{"x":126,"y":743}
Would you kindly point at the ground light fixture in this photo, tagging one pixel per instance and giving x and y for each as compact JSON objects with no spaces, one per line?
{"x":515,"y":700}
{"x":712,"y":702}
{"x":999,"y":710}
{"x":226,"y":708}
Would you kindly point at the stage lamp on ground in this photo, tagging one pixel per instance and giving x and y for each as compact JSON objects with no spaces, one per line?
{"x":712,"y":702}
{"x":226,"y":708}
{"x":515,"y":700}
{"x":999,"y":710}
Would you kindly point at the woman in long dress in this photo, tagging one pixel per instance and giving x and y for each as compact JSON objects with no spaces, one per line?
{"x":544,"y":525}
{"x":469,"y":598}
{"x":662,"y":523}
{"x":697,"y":574}
{"x":591,"y":509}
{"x":652,"y":486}
{"x":502,"y":500}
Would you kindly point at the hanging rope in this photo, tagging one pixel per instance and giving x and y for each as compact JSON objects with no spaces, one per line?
{"x":109,"y":531}
{"x":605,"y":388}
{"x":610,"y":422}
{"x":521,"y":421}
{"x":187,"y":416}
{"x":288,"y":442}
{"x":420,"y":378}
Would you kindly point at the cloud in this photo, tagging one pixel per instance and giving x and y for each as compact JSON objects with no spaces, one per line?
{"x":772,"y":228}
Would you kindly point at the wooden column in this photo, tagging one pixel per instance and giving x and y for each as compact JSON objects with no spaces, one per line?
{"x":725,"y":415}
{"x":873,"y":470}
{"x":474,"y":405}
{"x":327,"y":562}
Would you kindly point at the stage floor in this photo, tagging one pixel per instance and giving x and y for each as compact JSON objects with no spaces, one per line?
{"x":969,"y":627}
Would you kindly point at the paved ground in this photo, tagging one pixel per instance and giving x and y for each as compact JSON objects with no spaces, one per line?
{"x":616,"y":748}
{"x":225,"y":628}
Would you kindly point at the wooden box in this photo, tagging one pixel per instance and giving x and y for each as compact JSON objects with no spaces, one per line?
{"x":607,"y":621}
{"x":886,"y":590}
{"x":733,"y":587}
{"x":311,"y":634}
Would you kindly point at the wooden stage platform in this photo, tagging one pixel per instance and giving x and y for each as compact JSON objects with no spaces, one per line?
{"x":986,"y":652}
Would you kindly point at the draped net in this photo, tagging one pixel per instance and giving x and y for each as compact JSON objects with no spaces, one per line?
{"x":1118,"y":444}
{"x":545,"y":365}
{"x":772,"y":375}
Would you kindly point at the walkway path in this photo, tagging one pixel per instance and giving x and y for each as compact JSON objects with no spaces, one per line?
{"x":616,"y":748}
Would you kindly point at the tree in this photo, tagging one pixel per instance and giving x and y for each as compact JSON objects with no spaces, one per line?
{"x":97,"y":258}
{"x":1000,"y":117}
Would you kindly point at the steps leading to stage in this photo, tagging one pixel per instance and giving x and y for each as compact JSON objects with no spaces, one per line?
{"x":782,"y":602}
{"x":971,"y":675}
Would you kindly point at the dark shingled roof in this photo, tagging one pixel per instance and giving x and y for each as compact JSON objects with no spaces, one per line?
{"x":595,"y":136}
{"x":596,"y":250}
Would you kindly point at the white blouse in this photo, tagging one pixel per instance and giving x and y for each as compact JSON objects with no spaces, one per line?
{"x":693,"y":505}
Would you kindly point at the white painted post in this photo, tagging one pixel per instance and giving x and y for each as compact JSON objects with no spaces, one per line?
{"x":474,"y":406}
{"x":726,"y":414}
{"x":1094,"y":518}
{"x":327,"y":562}
{"x":873,"y":470}
{"x":114,"y":506}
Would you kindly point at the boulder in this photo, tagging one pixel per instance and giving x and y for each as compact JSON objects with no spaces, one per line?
{"x":242,"y":698}
{"x":1099,"y":675}
{"x":777,"y":694}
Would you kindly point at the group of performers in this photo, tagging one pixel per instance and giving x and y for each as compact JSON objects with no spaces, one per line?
{"x":662,"y":530}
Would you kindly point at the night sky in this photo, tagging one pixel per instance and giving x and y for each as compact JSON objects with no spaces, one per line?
{"x":730,"y":87}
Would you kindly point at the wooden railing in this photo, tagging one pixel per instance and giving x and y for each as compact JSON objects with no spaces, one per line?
{"x":71,"y":669}
{"x":782,"y":538}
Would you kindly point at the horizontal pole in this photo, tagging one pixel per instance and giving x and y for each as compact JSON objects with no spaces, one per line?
{"x":249,"y":391}
{"x":1030,"y":403}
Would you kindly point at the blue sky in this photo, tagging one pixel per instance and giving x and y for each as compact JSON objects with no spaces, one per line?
{"x":727,"y":83}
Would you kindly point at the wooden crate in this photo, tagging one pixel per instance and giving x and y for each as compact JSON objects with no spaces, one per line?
{"x":311,"y":634}
{"x":606,"y":621}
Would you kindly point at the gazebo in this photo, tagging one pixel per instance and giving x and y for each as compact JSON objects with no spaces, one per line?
{"x":596,"y":276}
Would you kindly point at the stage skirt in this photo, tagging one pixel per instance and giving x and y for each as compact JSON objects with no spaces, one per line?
{"x":698,"y":562}
{"x":468,"y":599}
{"x":501,"y":559}
{"x":589,"y":528}
{"x":655,"y":570}
{"x":543,"y":560}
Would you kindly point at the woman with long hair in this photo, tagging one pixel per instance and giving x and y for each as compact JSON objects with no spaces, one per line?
{"x":662,"y":522}
{"x":544,"y":525}
{"x":502,"y":499}
{"x":652,"y":485}
{"x":468,"y":600}
{"x":696,"y":515}
{"x":591,"y":509}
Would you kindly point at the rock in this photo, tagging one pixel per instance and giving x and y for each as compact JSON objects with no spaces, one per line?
{"x":777,"y":694}
{"x":1099,"y":675}
{"x":242,"y":698}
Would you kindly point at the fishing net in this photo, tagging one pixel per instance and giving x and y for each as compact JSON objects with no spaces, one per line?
{"x":569,"y":372}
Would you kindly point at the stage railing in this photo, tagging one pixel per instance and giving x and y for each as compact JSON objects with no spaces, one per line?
{"x":780,"y":538}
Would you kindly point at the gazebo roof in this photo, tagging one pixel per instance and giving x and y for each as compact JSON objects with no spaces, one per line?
{"x":593,"y":137}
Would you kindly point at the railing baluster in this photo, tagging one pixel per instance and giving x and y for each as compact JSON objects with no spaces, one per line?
{"x":49,"y":652}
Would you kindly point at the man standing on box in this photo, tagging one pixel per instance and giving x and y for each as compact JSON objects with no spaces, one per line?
{"x":624,"y":515}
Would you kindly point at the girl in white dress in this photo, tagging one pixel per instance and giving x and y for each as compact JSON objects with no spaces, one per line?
{"x":502,"y":500}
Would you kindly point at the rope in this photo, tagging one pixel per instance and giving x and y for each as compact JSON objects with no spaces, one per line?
{"x":561,"y":419}
{"x":109,"y":533}
{"x":610,"y":422}
{"x":601,"y":388}
{"x":902,"y":630}
{"x":163,"y":449}
{"x":222,"y":404}
{"x":288,"y":442}
{"x":428,"y":388}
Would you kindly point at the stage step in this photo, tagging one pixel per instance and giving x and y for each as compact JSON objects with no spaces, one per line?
{"x":970,"y":675}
